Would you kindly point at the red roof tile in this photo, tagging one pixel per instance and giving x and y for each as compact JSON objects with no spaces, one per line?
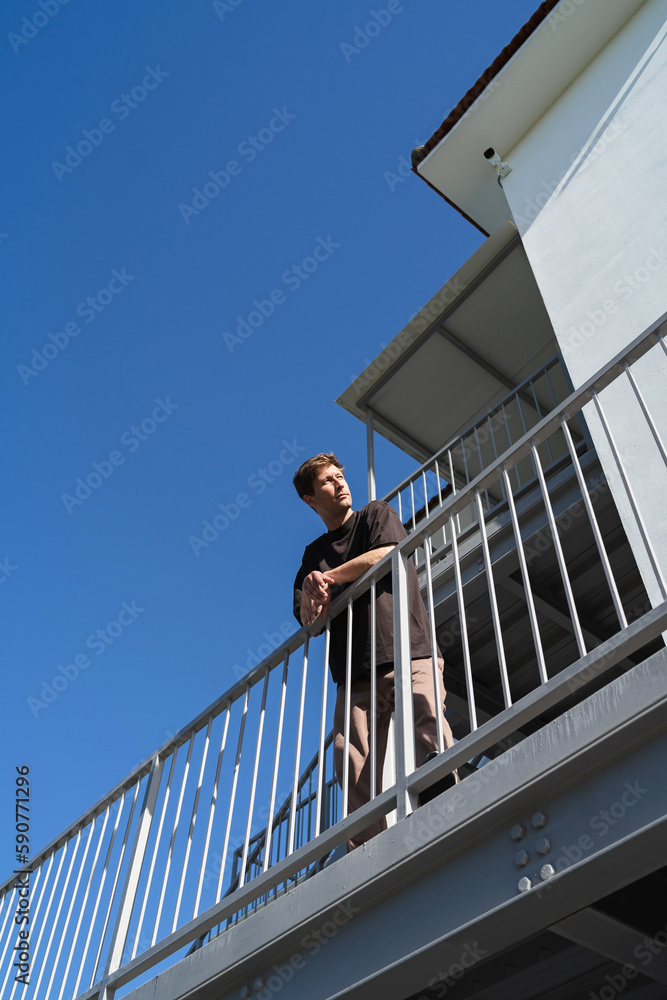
{"x":485,"y":79}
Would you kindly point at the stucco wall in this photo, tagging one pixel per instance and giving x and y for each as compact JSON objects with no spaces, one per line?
{"x":588,"y":191}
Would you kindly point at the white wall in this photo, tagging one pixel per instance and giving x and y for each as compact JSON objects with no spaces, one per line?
{"x":588,"y":191}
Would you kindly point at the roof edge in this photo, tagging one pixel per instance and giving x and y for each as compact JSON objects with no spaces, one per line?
{"x":421,"y":152}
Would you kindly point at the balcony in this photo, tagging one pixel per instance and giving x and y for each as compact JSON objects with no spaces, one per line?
{"x":535,"y":599}
{"x":463,"y":458}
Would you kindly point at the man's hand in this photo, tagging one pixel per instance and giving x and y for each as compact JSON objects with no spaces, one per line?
{"x":316,"y":589}
{"x":316,"y":596}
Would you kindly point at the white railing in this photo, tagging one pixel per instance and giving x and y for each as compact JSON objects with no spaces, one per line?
{"x":465,"y":456}
{"x":187,"y":841}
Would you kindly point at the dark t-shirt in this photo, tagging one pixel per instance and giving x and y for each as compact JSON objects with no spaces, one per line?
{"x":374,"y":526}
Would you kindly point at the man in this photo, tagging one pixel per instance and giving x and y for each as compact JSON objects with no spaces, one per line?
{"x":355,"y":541}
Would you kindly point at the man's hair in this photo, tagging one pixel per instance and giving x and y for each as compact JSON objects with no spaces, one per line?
{"x":306,"y":473}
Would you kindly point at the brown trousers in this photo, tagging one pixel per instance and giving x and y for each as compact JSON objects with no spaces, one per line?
{"x":426,"y":705}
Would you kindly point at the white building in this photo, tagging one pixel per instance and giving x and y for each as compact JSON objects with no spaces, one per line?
{"x":531,"y":390}
{"x":578,"y":114}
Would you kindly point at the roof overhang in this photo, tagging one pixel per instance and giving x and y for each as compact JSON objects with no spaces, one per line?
{"x":532,"y":72}
{"x":481,"y":334}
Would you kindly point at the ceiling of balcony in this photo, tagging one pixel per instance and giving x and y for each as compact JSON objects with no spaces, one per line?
{"x":481,"y":334}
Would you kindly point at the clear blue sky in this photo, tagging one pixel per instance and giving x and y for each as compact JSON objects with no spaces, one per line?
{"x":125,"y":298}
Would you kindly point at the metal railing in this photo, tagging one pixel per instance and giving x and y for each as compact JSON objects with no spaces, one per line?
{"x":256,"y":848}
{"x":147,"y":870}
{"x":306,"y":804}
{"x":465,"y":456}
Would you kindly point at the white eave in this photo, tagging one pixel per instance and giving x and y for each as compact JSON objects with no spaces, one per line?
{"x":536,"y":75}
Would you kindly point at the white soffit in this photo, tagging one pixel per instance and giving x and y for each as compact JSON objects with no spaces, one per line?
{"x":506,"y":322}
{"x":538,"y":73}
{"x":434,"y":393}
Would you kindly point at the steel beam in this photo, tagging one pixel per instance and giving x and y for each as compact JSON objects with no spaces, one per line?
{"x":608,"y":936}
{"x":482,"y":363}
{"x":413,"y":447}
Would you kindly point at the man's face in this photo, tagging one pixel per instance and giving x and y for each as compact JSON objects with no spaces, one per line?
{"x":331,"y":495}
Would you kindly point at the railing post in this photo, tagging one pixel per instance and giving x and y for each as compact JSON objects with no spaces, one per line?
{"x":370,"y":454}
{"x":405,"y":736}
{"x":128,"y":897}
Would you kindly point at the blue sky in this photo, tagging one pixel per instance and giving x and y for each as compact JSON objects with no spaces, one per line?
{"x":178,"y":340}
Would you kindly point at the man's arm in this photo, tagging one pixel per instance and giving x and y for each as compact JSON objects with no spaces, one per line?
{"x":350,"y":571}
{"x":317,"y":586}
